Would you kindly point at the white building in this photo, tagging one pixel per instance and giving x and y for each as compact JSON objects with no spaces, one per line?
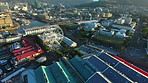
{"x":107,"y":23}
{"x":69,"y":42}
{"x":15,"y":46}
{"x":37,"y":30}
{"x":87,"y":28}
{"x":13,"y":39}
{"x":2,"y":40}
{"x":99,"y":9}
{"x":128,"y":20}
{"x":115,"y":30}
{"x":121,"y":26}
{"x":107,"y":15}
{"x":91,"y":21}
{"x":90,"y":26}
{"x":106,"y":32}
{"x":15,"y":7}
{"x":120,"y":35}
{"x":133,"y":24}
{"x":25,"y":8}
{"x":120,"y":21}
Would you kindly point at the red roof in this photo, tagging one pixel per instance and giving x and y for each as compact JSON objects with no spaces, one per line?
{"x":19,"y":50}
{"x":28,"y":54}
{"x":30,"y":49}
{"x":132,"y":66}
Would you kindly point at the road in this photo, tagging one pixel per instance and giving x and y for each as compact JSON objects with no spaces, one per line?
{"x":136,"y":50}
{"x":135,"y":42}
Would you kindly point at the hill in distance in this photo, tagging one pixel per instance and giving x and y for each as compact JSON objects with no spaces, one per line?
{"x":115,"y":2}
{"x":66,"y":2}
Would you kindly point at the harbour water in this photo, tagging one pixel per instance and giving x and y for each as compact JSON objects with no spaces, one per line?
{"x":34,"y":23}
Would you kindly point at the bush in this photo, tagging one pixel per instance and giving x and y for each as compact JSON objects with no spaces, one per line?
{"x":145,"y":31}
{"x":109,"y":41}
{"x":79,"y":52}
{"x":60,"y":53}
{"x":63,"y":44}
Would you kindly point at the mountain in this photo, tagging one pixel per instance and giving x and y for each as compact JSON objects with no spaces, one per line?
{"x":78,"y":2}
{"x":140,"y":2}
{"x":69,"y":2}
{"x":66,"y":2}
{"x":133,"y":2}
{"x":115,"y":2}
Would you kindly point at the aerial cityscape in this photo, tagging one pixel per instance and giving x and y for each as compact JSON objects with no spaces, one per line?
{"x":73,"y":41}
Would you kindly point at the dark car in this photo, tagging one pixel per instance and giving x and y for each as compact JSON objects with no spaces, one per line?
{"x":5,"y":66}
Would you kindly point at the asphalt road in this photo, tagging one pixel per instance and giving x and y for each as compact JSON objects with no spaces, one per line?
{"x":137,"y":37}
{"x":136,"y":50}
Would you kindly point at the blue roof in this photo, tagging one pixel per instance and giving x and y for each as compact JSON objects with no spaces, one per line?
{"x":131,"y":74}
{"x":115,"y":77}
{"x":108,"y":59}
{"x":96,"y":78}
{"x":97,"y":63}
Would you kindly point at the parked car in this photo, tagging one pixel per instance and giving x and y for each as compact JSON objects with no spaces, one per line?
{"x":3,"y":62}
{"x":41,"y":59}
{"x":4,"y":65}
{"x":8,"y":67}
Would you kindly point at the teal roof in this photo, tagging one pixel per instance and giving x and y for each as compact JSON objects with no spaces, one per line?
{"x":39,"y":75}
{"x":56,"y":73}
{"x":61,"y":73}
{"x":69,"y":68}
{"x":82,"y":68}
{"x":48,"y":74}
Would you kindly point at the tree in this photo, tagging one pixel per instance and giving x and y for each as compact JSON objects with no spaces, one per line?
{"x":79,"y":52}
{"x":37,"y":4}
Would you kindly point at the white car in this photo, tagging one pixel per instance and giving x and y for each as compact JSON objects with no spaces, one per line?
{"x":41,"y":59}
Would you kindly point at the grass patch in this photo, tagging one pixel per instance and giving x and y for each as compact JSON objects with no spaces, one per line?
{"x":145,"y":32}
{"x":69,"y":52}
{"x":109,"y":41}
{"x":86,"y":34}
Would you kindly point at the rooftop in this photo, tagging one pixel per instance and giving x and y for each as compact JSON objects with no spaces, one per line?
{"x":102,"y":68}
{"x":84,"y":70}
{"x":30,"y":49}
{"x":4,"y":54}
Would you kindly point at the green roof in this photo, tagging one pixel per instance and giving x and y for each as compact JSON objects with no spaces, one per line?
{"x":39,"y":75}
{"x":56,"y":73}
{"x":84,"y":70}
{"x":61,"y":73}
{"x":48,"y":74}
